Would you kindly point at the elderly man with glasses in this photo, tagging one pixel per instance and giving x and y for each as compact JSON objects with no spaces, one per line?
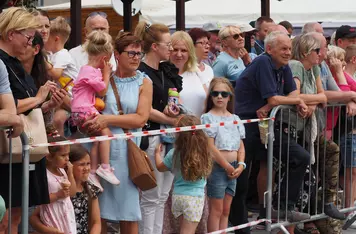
{"x":95,"y":21}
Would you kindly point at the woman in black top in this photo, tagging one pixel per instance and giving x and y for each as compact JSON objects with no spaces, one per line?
{"x":17,"y":27}
{"x":164,"y":75}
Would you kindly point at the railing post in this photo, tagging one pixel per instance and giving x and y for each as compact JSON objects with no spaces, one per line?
{"x":25,"y":181}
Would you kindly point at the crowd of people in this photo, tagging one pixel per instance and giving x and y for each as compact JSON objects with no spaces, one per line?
{"x":205,"y":75}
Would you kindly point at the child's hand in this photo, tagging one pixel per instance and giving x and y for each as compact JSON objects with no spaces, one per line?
{"x":159,"y":149}
{"x":107,"y":68}
{"x":69,"y":168}
{"x":63,"y":193}
{"x":237,"y":172}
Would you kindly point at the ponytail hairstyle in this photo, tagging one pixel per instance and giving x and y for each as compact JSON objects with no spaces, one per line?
{"x":39,"y":71}
{"x":150,"y":33}
{"x":98,"y":42}
{"x":78,"y":152}
{"x":193,"y":151}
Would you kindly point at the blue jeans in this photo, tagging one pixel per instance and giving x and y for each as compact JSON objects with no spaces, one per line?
{"x":219,"y":183}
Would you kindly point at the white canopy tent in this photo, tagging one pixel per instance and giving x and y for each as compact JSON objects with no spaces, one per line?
{"x":198,"y":12}
{"x":148,"y":6}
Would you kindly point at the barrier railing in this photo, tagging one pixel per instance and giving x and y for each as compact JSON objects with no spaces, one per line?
{"x":25,"y":182}
{"x":323,"y":188}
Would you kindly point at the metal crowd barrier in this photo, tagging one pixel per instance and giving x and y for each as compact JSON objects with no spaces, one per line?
{"x":25,"y":182}
{"x":282,"y":116}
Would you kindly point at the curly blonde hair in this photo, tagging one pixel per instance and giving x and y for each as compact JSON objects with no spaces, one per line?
{"x":193,"y":151}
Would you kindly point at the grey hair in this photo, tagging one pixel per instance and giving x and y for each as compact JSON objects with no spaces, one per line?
{"x":309,"y":27}
{"x":303,"y":45}
{"x":271,"y":38}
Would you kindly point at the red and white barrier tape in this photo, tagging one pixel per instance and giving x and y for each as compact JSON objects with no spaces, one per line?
{"x":147,"y":133}
{"x":253,"y":223}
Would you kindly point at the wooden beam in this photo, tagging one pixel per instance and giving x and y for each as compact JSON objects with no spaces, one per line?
{"x":265,"y":8}
{"x":180,"y":15}
{"x":75,"y":23}
{"x":127,"y":15}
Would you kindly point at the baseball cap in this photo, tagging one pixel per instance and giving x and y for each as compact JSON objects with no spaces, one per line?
{"x":246,"y":27}
{"x":345,"y":31}
{"x":212,"y":26}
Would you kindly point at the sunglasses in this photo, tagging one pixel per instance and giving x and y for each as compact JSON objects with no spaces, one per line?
{"x":317,"y":50}
{"x":223,"y":94}
{"x":132,"y":54}
{"x":237,"y":36}
{"x":95,"y":13}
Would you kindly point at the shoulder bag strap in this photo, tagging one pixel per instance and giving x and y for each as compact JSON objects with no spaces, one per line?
{"x":18,"y":79}
{"x":117,"y":97}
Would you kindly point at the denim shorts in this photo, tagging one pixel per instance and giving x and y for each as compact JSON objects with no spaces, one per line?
{"x":218,"y":183}
{"x":348,"y":159}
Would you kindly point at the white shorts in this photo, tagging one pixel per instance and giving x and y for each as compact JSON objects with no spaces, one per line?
{"x":190,"y":207}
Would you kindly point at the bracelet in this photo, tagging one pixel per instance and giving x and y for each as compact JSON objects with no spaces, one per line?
{"x":243,"y":164}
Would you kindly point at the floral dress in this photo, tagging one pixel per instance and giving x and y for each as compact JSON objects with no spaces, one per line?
{"x":81,"y":208}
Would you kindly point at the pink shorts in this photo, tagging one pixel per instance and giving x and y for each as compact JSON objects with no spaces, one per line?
{"x":78,"y":118}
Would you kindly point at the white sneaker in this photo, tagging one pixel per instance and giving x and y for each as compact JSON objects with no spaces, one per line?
{"x":108,"y":175}
{"x":94,"y":180}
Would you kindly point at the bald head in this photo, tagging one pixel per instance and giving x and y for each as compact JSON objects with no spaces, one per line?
{"x":277,"y":28}
{"x":96,"y":22}
{"x":312,"y":27}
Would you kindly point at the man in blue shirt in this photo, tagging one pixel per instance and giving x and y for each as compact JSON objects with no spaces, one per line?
{"x":267,"y":83}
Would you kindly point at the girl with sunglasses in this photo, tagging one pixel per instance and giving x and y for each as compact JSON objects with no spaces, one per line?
{"x":228,"y":151}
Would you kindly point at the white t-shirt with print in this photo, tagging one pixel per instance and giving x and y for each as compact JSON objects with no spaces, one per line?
{"x":193,"y":94}
{"x":62,"y":59}
{"x":80,"y":57}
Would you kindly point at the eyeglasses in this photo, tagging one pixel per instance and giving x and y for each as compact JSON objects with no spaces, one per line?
{"x":95,"y":13}
{"x":317,"y":50}
{"x":28,"y":37}
{"x":132,"y":54}
{"x":203,"y":43}
{"x":223,"y":94}
{"x":237,"y":36}
{"x":169,"y":44}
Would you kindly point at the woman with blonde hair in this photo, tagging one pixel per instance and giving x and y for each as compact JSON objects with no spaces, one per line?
{"x":193,"y":95}
{"x":18,"y":27}
{"x":234,"y":58}
{"x":195,"y":86}
{"x":304,"y":67}
{"x":157,"y":47}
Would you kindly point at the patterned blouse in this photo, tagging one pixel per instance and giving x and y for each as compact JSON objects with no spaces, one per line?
{"x":81,"y":208}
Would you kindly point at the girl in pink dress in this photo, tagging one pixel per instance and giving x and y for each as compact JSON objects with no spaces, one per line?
{"x":92,"y":80}
{"x":59,"y":216}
